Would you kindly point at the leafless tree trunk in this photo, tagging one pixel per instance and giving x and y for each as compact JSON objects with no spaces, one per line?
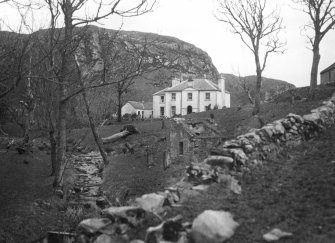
{"x":96,"y":136}
{"x":322,"y":20}
{"x":258,"y":30}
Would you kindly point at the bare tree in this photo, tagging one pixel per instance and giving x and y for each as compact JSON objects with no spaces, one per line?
{"x":322,"y":20}
{"x":69,"y":9}
{"x":258,"y":30}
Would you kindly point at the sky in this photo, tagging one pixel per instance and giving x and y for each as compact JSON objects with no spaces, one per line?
{"x":194,"y":21}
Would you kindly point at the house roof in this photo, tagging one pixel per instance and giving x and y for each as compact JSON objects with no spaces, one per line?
{"x":198,"y":84}
{"x":161,"y":92}
{"x":141,"y":105}
{"x":328,"y":68}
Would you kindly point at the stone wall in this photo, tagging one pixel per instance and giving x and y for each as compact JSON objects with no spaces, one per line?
{"x":266,"y":142}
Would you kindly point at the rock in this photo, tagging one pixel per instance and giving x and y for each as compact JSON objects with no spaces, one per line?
{"x":152,"y":202}
{"x":240,"y":156}
{"x":102,"y":202}
{"x":200,"y":188}
{"x":213,"y":227}
{"x":268,"y":130}
{"x":278,"y":127}
{"x":134,"y":215}
{"x":221,"y":151}
{"x":231,"y":144}
{"x":104,"y":239}
{"x":94,"y":224}
{"x":275,"y":235}
{"x":313,"y":117}
{"x":231,"y":182}
{"x":137,"y":241}
{"x":168,"y":231}
{"x":218,"y":160}
{"x":248,"y":148}
{"x":297,"y":118}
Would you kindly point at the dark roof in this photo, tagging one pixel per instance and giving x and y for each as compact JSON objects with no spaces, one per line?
{"x":328,"y":68}
{"x":141,"y":105}
{"x":198,"y":84}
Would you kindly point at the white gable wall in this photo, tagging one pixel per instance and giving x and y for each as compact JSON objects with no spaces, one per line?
{"x":156,"y":106}
{"x":127,"y":109}
{"x":227,"y":100}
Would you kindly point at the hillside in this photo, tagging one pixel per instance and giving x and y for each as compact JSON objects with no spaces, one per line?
{"x":235,"y":84}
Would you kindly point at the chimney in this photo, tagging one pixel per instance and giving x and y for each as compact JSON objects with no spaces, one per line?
{"x":190,"y":82}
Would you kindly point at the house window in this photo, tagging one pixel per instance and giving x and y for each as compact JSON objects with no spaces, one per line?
{"x":208,"y":96}
{"x":162,"y":99}
{"x":173,"y":110}
{"x":181,"y":148}
{"x":139,"y":113}
{"x":173,"y":96}
{"x":189,"y":96}
{"x":162,"y":111}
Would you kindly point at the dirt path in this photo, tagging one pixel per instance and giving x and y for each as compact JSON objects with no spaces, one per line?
{"x":295,"y":193}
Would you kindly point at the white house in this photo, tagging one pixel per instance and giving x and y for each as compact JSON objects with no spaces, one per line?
{"x":142,"y":109}
{"x":192,"y":95}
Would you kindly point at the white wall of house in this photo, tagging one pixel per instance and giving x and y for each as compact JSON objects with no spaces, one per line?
{"x":227,"y":100}
{"x":203,"y":101}
{"x":186,"y":102}
{"x":156,"y":106}
{"x":129,"y":109}
{"x":198,"y":102}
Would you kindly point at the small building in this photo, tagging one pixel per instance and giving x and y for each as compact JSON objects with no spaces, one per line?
{"x":191,"y":140}
{"x":192,"y":95}
{"x":328,"y":75}
{"x":141,"y":109}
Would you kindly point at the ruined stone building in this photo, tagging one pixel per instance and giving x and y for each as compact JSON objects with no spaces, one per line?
{"x":192,"y":139}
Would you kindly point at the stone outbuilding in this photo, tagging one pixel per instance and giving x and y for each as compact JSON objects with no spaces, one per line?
{"x":328,"y":75}
{"x":141,"y":109}
{"x":192,"y":139}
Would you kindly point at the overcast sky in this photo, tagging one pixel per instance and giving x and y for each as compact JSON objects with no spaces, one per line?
{"x":193,"y":21}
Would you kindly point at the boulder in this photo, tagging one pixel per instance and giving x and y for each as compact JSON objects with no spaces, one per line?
{"x":313,"y":117}
{"x":94,"y":224}
{"x":104,"y":239}
{"x":168,"y":231}
{"x":240,"y":156}
{"x":213,"y":227}
{"x":275,"y":235}
{"x":133,"y":215}
{"x":297,"y":118}
{"x":152,"y":202}
{"x":219,"y":160}
{"x":278,"y":127}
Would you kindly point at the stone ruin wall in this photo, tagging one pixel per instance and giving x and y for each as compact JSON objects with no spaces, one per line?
{"x":195,"y":148}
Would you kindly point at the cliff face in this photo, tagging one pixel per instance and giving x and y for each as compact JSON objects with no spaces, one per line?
{"x":165,"y":57}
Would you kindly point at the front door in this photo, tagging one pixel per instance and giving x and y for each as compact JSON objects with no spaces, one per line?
{"x":189,"y":109}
